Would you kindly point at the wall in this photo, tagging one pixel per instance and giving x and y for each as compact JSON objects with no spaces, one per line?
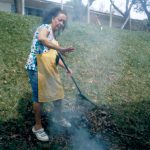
{"x":5,"y":7}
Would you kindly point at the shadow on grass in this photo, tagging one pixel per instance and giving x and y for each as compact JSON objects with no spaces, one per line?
{"x":16,"y":134}
{"x":132,"y":125}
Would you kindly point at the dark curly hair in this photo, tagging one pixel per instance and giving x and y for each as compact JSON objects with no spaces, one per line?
{"x":54,"y":12}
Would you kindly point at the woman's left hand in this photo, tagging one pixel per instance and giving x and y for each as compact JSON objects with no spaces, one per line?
{"x":69,"y":72}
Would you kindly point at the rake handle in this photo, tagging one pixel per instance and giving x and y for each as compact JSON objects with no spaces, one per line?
{"x":68,"y":71}
{"x":80,"y":93}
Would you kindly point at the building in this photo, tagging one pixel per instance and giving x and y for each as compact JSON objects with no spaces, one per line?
{"x":31,"y":7}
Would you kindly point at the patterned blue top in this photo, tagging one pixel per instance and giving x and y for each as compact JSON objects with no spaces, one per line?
{"x":37,"y":47}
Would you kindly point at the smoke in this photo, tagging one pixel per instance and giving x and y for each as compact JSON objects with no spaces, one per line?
{"x":82,"y":140}
{"x":78,"y":134}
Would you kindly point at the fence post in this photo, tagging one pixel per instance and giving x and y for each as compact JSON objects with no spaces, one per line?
{"x":130,"y":22}
{"x":88,"y":12}
{"x":62,"y":6}
{"x":110,"y":21}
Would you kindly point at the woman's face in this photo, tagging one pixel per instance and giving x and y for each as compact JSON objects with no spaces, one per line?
{"x":58,"y":21}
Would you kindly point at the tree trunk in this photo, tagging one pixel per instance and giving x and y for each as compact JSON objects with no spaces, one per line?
{"x":125,"y":23}
{"x":19,"y":6}
{"x":144,"y":5}
{"x":126,"y":13}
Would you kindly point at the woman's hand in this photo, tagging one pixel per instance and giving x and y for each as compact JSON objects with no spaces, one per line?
{"x":68,"y":49}
{"x":69,"y":72}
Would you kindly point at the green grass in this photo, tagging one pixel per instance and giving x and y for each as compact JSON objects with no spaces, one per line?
{"x":16,"y":33}
{"x":111,"y":67}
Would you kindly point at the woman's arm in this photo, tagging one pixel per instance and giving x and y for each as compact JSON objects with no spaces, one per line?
{"x":45,"y":41}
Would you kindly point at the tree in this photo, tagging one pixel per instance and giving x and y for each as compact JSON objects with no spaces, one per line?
{"x":90,"y":2}
{"x":144,"y":5}
{"x":79,"y":10}
{"x":19,"y":6}
{"x":126,"y":13}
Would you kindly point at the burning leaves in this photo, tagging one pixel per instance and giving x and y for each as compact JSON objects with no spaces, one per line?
{"x":84,"y":133}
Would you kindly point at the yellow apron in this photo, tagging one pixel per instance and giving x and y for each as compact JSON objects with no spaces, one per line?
{"x":49,"y":83}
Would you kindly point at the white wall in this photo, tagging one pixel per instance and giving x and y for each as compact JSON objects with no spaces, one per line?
{"x":5,"y":7}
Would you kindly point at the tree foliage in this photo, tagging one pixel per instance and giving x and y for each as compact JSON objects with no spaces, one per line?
{"x":91,"y":1}
{"x":144,"y":6}
{"x":128,"y":6}
{"x":141,"y":5}
{"x":79,"y":10}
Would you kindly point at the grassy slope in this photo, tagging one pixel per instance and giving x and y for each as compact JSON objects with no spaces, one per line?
{"x":111,"y":67}
{"x":15,"y":39}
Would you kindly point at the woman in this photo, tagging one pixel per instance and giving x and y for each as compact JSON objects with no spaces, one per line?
{"x":42,"y":68}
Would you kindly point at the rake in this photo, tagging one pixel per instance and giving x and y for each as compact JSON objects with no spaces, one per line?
{"x":80,"y":94}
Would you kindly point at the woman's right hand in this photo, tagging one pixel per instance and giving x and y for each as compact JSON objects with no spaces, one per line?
{"x":68,"y":49}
